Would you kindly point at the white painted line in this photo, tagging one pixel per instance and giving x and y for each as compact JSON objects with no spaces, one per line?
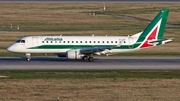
{"x":3,"y":76}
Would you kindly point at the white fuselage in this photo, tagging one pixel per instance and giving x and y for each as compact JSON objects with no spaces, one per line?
{"x":60,"y":44}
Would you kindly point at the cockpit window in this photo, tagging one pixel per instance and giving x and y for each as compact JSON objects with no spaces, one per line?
{"x":20,"y":41}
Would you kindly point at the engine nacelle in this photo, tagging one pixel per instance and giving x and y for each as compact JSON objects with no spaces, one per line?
{"x":74,"y":54}
{"x":62,"y":54}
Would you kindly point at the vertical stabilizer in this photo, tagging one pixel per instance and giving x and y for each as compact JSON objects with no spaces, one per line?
{"x":155,"y":30}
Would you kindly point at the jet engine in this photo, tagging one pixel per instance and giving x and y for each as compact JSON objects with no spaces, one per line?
{"x":74,"y":54}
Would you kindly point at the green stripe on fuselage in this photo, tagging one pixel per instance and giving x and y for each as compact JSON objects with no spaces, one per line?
{"x":84,"y":46}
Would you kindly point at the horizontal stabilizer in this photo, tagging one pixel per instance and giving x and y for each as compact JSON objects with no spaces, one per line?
{"x":164,"y":41}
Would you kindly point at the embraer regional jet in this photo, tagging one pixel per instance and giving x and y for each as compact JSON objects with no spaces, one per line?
{"x":84,"y":47}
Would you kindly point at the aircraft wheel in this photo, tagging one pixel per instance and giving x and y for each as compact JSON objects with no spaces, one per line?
{"x":90,"y":59}
{"x":28,"y":59}
{"x":85,"y":58}
{"x":28,"y":56}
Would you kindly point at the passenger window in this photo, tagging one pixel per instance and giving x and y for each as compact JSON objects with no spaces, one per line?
{"x":68,"y":41}
{"x":81,"y":41}
{"x":72,"y":41}
{"x":102,"y":41}
{"x":111,"y":41}
{"x":94,"y":41}
{"x":42,"y":41}
{"x":98,"y":41}
{"x":107,"y":41}
{"x":89,"y":41}
{"x":64,"y":41}
{"x":46,"y":41}
{"x":85,"y":41}
{"x":51,"y":41}
{"x":76,"y":41}
{"x":116,"y":41}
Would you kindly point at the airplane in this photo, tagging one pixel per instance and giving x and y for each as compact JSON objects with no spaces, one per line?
{"x":84,"y":47}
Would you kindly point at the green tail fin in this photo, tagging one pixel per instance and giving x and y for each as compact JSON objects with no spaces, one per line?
{"x":155,"y":29}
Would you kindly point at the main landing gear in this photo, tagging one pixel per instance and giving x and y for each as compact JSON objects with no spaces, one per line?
{"x":28,"y":56}
{"x":88,"y":58}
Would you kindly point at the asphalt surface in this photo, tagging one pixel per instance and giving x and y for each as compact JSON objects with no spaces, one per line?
{"x":17,"y":63}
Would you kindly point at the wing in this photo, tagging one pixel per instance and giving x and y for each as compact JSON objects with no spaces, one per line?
{"x":96,"y":50}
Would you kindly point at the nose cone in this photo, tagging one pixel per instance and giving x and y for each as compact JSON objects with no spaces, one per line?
{"x":10,"y":49}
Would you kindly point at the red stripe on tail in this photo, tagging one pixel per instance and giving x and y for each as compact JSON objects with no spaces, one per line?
{"x":151,"y":36}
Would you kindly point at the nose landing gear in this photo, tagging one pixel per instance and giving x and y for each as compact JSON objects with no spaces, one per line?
{"x":28,"y":56}
{"x":28,"y":59}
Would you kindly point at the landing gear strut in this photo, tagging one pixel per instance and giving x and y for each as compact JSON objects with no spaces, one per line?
{"x":28,"y":56}
{"x":88,"y":58}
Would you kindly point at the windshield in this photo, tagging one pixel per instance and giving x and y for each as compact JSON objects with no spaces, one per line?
{"x":20,"y":41}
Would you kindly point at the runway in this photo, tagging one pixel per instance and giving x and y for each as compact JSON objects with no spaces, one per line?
{"x":18,"y":63}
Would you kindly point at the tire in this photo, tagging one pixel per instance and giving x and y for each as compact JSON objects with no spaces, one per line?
{"x":85,"y":58}
{"x":28,"y":59}
{"x":90,"y":59}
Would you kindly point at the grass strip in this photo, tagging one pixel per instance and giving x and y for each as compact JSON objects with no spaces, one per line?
{"x":90,"y":74}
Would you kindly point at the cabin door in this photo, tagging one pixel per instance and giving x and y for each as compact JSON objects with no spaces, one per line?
{"x":35,"y":41}
{"x":130,"y":39}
